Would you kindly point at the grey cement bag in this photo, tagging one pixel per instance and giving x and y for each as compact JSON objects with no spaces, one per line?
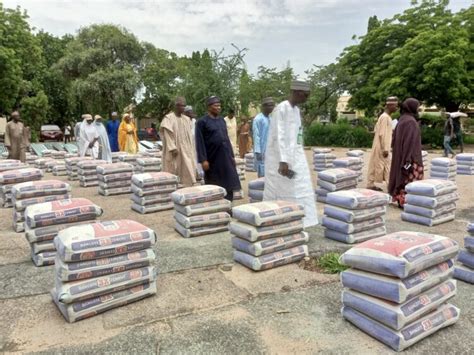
{"x":157,"y":207}
{"x":271,"y":260}
{"x":270,"y":245}
{"x":204,"y":208}
{"x":200,"y":231}
{"x":212,"y":219}
{"x":253,"y":234}
{"x":358,"y":237}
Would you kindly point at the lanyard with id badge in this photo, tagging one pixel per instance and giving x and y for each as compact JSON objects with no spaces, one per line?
{"x":299,"y":138}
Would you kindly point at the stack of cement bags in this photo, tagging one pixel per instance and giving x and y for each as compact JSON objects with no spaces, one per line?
{"x":399,"y":285}
{"x":332,"y":180}
{"x":46,"y":153}
{"x":430,"y":202}
{"x":101,"y":266}
{"x":152,"y":192}
{"x":41,"y":163}
{"x":465,"y":163}
{"x":116,"y":156}
{"x":148,"y":165}
{"x":354,"y":216}
{"x":115,"y":178}
{"x":10,"y":178}
{"x":152,"y":153}
{"x":256,"y":188}
{"x":268,"y":234}
{"x":240,"y":164}
{"x":323,"y":159}
{"x":130,"y":159}
{"x":443,"y":168}
{"x":32,"y":192}
{"x":249,"y":162}
{"x":60,"y":155}
{"x":59,"y":169}
{"x":424,"y":155}
{"x":52,"y":163}
{"x":43,"y":221}
{"x":11,"y":164}
{"x":465,"y":269}
{"x":201,"y":210}
{"x":87,"y":172}
{"x":31,"y":158}
{"x":357,"y":153}
{"x":71,"y":166}
{"x":353,"y":163}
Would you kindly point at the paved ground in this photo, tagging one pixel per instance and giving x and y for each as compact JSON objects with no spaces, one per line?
{"x":205,"y":306}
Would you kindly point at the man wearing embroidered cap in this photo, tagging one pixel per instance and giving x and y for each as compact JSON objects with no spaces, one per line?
{"x":214,"y":150}
{"x":287,"y":175}
{"x":112,"y":131}
{"x":260,"y":127}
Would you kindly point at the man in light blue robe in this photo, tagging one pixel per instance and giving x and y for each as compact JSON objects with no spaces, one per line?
{"x":260,"y":127}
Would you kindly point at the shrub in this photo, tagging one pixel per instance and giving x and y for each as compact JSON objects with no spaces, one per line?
{"x":329,"y":263}
{"x":340,"y":134}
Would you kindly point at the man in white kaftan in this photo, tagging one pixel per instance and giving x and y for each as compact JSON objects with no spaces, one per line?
{"x":105,"y":152}
{"x":287,"y":175}
{"x":89,"y":138}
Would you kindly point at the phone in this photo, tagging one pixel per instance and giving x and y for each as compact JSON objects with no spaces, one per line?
{"x":407,"y":166}
{"x":291,"y":174}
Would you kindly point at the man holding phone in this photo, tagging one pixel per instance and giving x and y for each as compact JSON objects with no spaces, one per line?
{"x":287,"y":175}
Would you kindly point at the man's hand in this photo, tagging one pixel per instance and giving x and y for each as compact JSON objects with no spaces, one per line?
{"x":259,"y":156}
{"x":174,"y":153}
{"x":205,"y":165}
{"x":385,"y":154}
{"x":283,"y":169}
{"x":91,"y":144}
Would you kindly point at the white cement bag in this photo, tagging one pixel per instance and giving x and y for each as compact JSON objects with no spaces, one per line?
{"x":400,"y":254}
{"x":90,"y":164}
{"x":430,"y":212}
{"x":348,"y":184}
{"x":157,"y":207}
{"x":397,"y":316}
{"x":358,"y":199}
{"x":427,"y":221}
{"x":395,"y":289}
{"x":268,"y":213}
{"x":154,"y":179}
{"x":442,"y":162}
{"x":20,"y":175}
{"x":355,"y":153}
{"x":148,"y":169}
{"x":258,"y":184}
{"x":347,"y":162}
{"x":321,"y":150}
{"x":464,"y":273}
{"x":358,"y":237}
{"x":443,"y":169}
{"x":198,"y":194}
{"x":462,"y":170}
{"x":115,"y":177}
{"x":21,"y":205}
{"x":256,"y":195}
{"x":447,"y":176}
{"x":337,"y":175}
{"x":149,"y":161}
{"x":469,"y":157}
{"x":212,"y":219}
{"x":61,"y":212}
{"x":40,"y":188}
{"x":204,"y":208}
{"x":153,"y":190}
{"x":43,"y":259}
{"x":444,"y":316}
{"x":270,"y":245}
{"x":431,"y":187}
{"x":466,"y":258}
{"x":431,"y":202}
{"x":40,"y":247}
{"x":81,"y":290}
{"x":89,"y":183}
{"x":271,"y":260}
{"x":115,"y":191}
{"x":253,"y":234}
{"x":113,"y":184}
{"x":85,"y":309}
{"x":103,"y":239}
{"x":200,"y":231}
{"x":152,"y":199}
{"x":114,"y":168}
{"x":48,"y":232}
{"x":354,"y":216}
{"x":348,"y":228}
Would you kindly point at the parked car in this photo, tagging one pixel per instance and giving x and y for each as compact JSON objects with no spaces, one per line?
{"x":147,"y":134}
{"x":50,"y":132}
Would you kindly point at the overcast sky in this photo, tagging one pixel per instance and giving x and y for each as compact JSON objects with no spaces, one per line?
{"x":303,"y":32}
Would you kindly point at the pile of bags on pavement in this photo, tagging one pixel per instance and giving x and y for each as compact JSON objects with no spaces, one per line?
{"x":148,"y":165}
{"x":71,"y":167}
{"x":464,"y":270}
{"x":443,"y":168}
{"x":323,"y":159}
{"x":249,"y":162}
{"x":240,"y":166}
{"x":465,"y":164}
{"x":353,"y":163}
{"x":256,"y":188}
{"x":332,"y":180}
{"x":152,"y":192}
{"x":115,"y":178}
{"x":9,"y":178}
{"x":87,"y":172}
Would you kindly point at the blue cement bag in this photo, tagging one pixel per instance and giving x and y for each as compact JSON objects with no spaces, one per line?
{"x":470,"y":229}
{"x":430,"y":212}
{"x":469,"y":243}
{"x":351,"y":238}
{"x":347,"y":184}
{"x":443,"y":162}
{"x":466,"y":258}
{"x":394,"y":289}
{"x":258,"y":184}
{"x":467,"y":157}
{"x":358,"y":199}
{"x":397,"y":316}
{"x":427,"y":221}
{"x":337,"y":175}
{"x":431,"y":202}
{"x":464,"y":273}
{"x":353,"y":216}
{"x":443,"y":169}
{"x":431,"y":187}
{"x":253,"y":234}
{"x":447,"y":175}
{"x":344,"y":227}
{"x":270,"y":245}
{"x":256,"y":194}
{"x":272,"y":260}
{"x":322,"y":192}
{"x":444,"y":316}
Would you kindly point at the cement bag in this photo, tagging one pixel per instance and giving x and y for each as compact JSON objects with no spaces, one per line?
{"x":442,"y":162}
{"x":40,"y":188}
{"x":39,"y":247}
{"x":271,"y":260}
{"x":464,"y":273}
{"x":87,"y":173}
{"x":468,"y":157}
{"x":348,"y":184}
{"x":198,"y":194}
{"x":430,"y":212}
{"x":212,"y":219}
{"x":448,"y":176}
{"x":11,"y":164}
{"x":444,"y":316}
{"x":470,"y":229}
{"x":47,"y":233}
{"x":431,"y":187}
{"x":256,"y":195}
{"x":355,"y":153}
{"x":426,"y":221}
{"x":61,"y":212}
{"x":153,"y":190}
{"x":21,"y":205}
{"x":113,"y":184}
{"x":152,"y":199}
{"x":88,"y":308}
{"x":81,"y":290}
{"x":59,"y":170}
{"x":347,"y":162}
{"x":114,"y":168}
{"x":157,"y":207}
{"x":90,"y":164}
{"x":20,"y":175}
{"x":89,"y":183}
{"x":115,"y":177}
{"x":321,"y":150}
{"x":154,"y":179}
{"x":464,"y":170}
{"x":469,"y":243}
{"x":18,"y":216}
{"x":148,"y":161}
{"x":87,"y":269}
{"x":43,"y":259}
{"x":395,"y":289}
{"x":322,"y":192}
{"x":347,"y":228}
{"x":129,"y":158}
{"x":401,"y":254}
{"x":74,"y":160}
{"x":431,"y":202}
{"x":268,"y":213}
{"x":466,"y":258}
{"x":88,"y":178}
{"x":115,"y":191}
{"x":258,"y":184}
{"x":358,"y":237}
{"x":253,"y":234}
{"x":204,"y":208}
{"x":354,"y":216}
{"x":103,"y":239}
{"x":199,"y":231}
{"x":270,"y":245}
{"x":337,"y":175}
{"x":358,"y":198}
{"x":397,"y":316}
{"x":324,"y":157}
{"x":443,"y":169}
{"x":148,"y":169}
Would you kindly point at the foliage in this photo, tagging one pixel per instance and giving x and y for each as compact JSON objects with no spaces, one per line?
{"x":340,"y":134}
{"x":35,"y":111}
{"x":330,"y":263}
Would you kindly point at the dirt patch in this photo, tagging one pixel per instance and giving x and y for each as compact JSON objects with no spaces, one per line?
{"x":311,"y":264}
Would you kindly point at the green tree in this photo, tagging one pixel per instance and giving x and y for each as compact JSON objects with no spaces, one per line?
{"x":34,"y":112}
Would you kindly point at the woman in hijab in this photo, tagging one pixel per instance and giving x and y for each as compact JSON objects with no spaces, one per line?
{"x":128,"y":140}
{"x":105,"y":152}
{"x":407,"y":163}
